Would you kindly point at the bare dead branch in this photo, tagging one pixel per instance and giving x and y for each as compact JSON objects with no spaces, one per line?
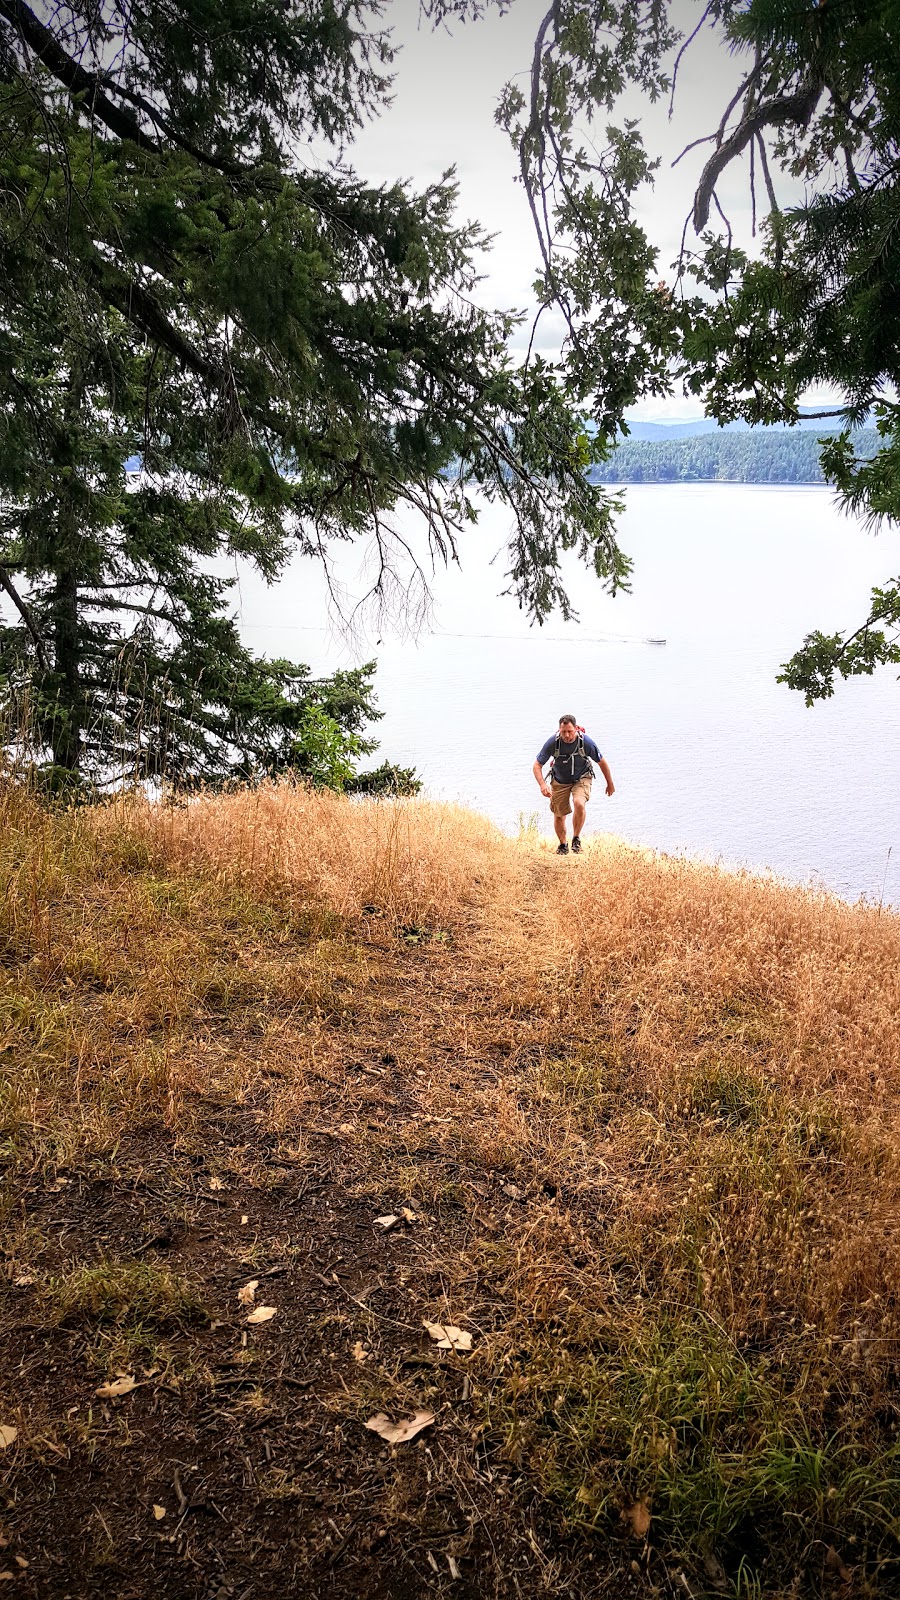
{"x":774,"y":208}
{"x":687,"y":43}
{"x":739,"y":94}
{"x":25,"y":613}
{"x":819,"y":416}
{"x":718,"y":207}
{"x":534,"y":130}
{"x":764,"y":163}
{"x":706,"y":138}
{"x":797,"y":108}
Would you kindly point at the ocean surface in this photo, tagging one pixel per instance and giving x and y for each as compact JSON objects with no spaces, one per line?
{"x":711,"y":757}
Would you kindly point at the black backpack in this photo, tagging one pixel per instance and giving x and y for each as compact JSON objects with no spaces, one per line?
{"x":571,"y":758}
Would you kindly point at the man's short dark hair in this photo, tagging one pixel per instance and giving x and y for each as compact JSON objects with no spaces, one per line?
{"x":569,"y":718}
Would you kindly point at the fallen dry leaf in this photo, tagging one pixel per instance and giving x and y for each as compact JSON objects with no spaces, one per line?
{"x":7,"y":1435}
{"x":23,"y":1280}
{"x":247,"y":1294}
{"x":21,"y":1562}
{"x":119,"y":1386}
{"x":263,"y":1314}
{"x":638,"y":1518}
{"x":408,"y":1215}
{"x":388,"y":1222}
{"x":159,"y":1512}
{"x":399,"y":1432}
{"x":448,"y":1337}
{"x":244,"y":1221}
{"x":835,"y":1563}
{"x":360,"y":1353}
{"x":216,"y":1183}
{"x":454,"y":1569}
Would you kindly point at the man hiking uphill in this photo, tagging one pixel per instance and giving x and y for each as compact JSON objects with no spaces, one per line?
{"x":571,"y":776}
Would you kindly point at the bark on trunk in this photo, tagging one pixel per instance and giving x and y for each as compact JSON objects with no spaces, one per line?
{"x":67,"y":724}
{"x":65,"y":738}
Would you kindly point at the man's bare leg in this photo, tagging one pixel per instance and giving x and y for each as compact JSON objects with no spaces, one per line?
{"x":559,"y":824}
{"x":578,"y":815}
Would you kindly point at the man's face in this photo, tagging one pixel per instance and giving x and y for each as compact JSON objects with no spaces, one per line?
{"x":568,"y":731}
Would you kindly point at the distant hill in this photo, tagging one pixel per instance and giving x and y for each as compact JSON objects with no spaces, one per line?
{"x":679,"y":430}
{"x":692,"y":427}
{"x":758,"y":455}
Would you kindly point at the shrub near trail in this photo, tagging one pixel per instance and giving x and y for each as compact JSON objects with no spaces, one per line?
{"x":637,"y":1132}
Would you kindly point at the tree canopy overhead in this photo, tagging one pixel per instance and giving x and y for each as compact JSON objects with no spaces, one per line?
{"x":814,"y":107}
{"x":292,"y":354}
{"x":195,"y":277}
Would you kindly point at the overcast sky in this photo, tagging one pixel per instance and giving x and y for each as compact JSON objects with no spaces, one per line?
{"x":447,"y":86}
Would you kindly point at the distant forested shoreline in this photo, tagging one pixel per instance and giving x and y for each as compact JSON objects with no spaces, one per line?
{"x":768,"y":456}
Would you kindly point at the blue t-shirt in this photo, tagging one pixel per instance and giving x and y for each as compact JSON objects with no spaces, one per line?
{"x":569,"y":768}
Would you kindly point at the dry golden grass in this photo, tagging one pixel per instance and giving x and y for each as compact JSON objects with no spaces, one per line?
{"x":415,"y":862}
{"x":678,"y":962}
{"x":687,"y":1079}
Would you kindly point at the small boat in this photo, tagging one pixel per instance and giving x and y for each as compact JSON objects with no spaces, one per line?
{"x":656,"y":641}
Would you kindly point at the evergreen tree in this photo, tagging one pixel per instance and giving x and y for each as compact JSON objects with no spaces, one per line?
{"x":291,"y":356}
{"x":818,"y":103}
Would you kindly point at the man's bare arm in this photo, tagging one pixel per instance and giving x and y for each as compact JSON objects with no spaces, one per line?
{"x":603,"y":764}
{"x":543,"y":785}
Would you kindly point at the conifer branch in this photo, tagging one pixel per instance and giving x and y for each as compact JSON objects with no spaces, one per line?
{"x":144,"y":312}
{"x":24,"y":612}
{"x":72,"y":74}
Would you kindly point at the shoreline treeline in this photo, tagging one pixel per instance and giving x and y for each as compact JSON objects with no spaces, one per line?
{"x":768,"y":456}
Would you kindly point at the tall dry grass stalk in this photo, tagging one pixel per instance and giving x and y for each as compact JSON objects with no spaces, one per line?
{"x":416,"y":862}
{"x":676,"y":964}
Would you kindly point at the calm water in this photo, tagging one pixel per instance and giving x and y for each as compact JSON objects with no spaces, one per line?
{"x":709,"y":754}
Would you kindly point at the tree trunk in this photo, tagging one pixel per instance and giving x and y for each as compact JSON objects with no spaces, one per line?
{"x":68,"y":720}
{"x":67,"y":723}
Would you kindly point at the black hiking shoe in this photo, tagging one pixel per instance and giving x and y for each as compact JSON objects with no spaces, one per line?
{"x":562,"y":849}
{"x":576,"y":845}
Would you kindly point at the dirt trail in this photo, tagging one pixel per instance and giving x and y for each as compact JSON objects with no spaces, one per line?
{"x":239,"y":1466}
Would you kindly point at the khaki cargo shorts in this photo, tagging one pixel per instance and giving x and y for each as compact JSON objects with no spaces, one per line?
{"x":562,"y":795}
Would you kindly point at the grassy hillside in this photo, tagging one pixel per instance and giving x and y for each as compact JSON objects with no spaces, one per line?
{"x":635,"y":1122}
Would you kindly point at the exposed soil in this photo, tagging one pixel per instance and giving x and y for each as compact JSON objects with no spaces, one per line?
{"x":251,"y":1438}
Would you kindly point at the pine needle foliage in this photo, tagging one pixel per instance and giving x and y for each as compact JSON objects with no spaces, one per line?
{"x":198,"y":283}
